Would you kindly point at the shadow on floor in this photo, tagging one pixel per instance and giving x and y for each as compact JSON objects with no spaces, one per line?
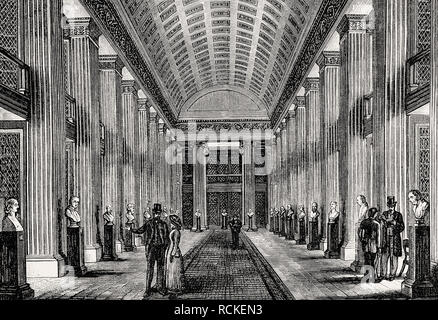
{"x":101,"y":273}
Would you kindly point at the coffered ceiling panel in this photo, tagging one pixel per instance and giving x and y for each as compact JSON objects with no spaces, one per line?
{"x":197,"y":45}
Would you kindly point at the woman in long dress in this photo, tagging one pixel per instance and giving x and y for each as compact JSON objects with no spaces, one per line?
{"x":175,"y":265}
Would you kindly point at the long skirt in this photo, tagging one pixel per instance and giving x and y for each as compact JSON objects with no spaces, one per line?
{"x":175,"y":277}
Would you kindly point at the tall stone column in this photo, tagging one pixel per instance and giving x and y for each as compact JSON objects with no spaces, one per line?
{"x":112,"y":113}
{"x":129,"y":136}
{"x":153,"y":156}
{"x":161,"y":163}
{"x":278,"y":180}
{"x":84,"y":36}
{"x":355,"y":85}
{"x":301,"y":151}
{"x":46,"y":138}
{"x":143,"y":147}
{"x":271,"y":146}
{"x":329,"y":66}
{"x":389,"y":115}
{"x":200,"y":184}
{"x":434,"y":139}
{"x":284,"y":165}
{"x":293,"y":164}
{"x":248,"y":179}
{"x":313,"y":124}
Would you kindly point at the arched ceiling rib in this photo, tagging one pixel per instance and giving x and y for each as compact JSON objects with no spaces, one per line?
{"x":196,"y":45}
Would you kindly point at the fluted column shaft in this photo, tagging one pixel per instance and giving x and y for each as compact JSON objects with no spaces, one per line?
{"x":248,"y":179}
{"x":271,"y":156}
{"x":46,"y":167}
{"x":161,"y":164}
{"x":434,"y":138}
{"x":112,"y":113}
{"x":293,"y":159}
{"x":143,"y":146}
{"x":278,"y":178}
{"x":355,"y":85}
{"x":86,"y":90}
{"x":389,"y":115}
{"x":284,"y":165}
{"x":153,"y":156}
{"x":199,"y":184}
{"x":329,"y":65}
{"x":301,"y":151}
{"x":313,"y":124}
{"x":129,"y":145}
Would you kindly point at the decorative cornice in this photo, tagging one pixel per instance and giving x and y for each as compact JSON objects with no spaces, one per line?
{"x":105,"y":13}
{"x":324,"y":21}
{"x":352,"y":23}
{"x":111,"y":62}
{"x":311,"y":84}
{"x":329,"y":59}
{"x":129,"y":86}
{"x":228,"y":125}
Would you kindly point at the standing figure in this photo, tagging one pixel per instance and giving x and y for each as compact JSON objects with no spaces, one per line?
{"x":75,"y":238}
{"x":156,"y":242}
{"x":369,"y":235}
{"x":333,"y":247}
{"x":250,"y":221}
{"x":314,"y":228}
{"x":175,"y":265}
{"x":272,"y":220}
{"x":10,"y":222}
{"x":129,"y":225}
{"x":277,"y":222}
{"x":224,"y":217}
{"x":290,"y":223}
{"x":392,"y":226}
{"x":302,"y":225}
{"x":362,"y":214}
{"x":282,"y":222}
{"x":236,"y":227}
{"x":198,"y":220}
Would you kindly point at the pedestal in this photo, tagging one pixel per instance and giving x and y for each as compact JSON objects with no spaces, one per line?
{"x":417,"y":283}
{"x":13,"y":283}
{"x":332,"y":251}
{"x":271,"y":224}
{"x":129,"y":238}
{"x":313,"y":236}
{"x":75,"y":250}
{"x":109,"y":246}
{"x":276,"y":225}
{"x":301,"y":232}
{"x":357,"y":264}
{"x":283,"y":227}
{"x":198,"y":225}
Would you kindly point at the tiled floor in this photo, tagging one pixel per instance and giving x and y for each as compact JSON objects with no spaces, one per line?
{"x":309,"y":276}
{"x":263,"y":267}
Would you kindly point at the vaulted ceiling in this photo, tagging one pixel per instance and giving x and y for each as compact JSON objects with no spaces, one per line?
{"x":197,"y":50}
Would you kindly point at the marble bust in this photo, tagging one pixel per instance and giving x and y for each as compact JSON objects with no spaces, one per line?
{"x":10,"y":222}
{"x":363,"y":208}
{"x":314,"y":213}
{"x":198,"y":213}
{"x":420,"y":207}
{"x":108,"y":216}
{"x":147,"y":214}
{"x":130,"y":213}
{"x":250,"y":213}
{"x":302,"y":214}
{"x":334,"y":213}
{"x":224,"y":213}
{"x":73,"y":217}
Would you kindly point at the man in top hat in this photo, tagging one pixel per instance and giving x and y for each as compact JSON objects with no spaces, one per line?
{"x":156,"y":242}
{"x":236,"y":227}
{"x":392,"y":225}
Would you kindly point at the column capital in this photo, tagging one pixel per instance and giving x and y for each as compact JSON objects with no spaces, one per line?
{"x":311,"y":84}
{"x":300,"y":102}
{"x":111,"y":62}
{"x":153,"y":115}
{"x":352,"y":23}
{"x":292,"y":113}
{"x":129,"y":86}
{"x":329,"y":59}
{"x":84,"y":27}
{"x":143,"y":105}
{"x":162,"y":127}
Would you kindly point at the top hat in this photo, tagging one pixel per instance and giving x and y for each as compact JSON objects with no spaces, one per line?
{"x":157,"y":208}
{"x":391,"y":201}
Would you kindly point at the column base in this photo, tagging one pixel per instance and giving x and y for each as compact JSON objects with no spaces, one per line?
{"x":331,"y":254}
{"x":92,"y":254}
{"x":418,"y":289}
{"x":324,"y":245}
{"x":45,"y":267}
{"x":348,"y":252}
{"x":24,"y":292}
{"x":119,"y":247}
{"x":356,"y":266}
{"x":313,"y":246}
{"x":138,"y":240}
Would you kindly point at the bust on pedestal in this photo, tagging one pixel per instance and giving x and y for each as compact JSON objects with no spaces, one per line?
{"x":129,"y":225}
{"x":13,"y":282}
{"x":333,"y":248}
{"x":251,"y":222}
{"x":362,"y":215}
{"x":198,"y":220}
{"x":290,"y":219}
{"x":271,"y":220}
{"x":224,"y":219}
{"x":302,"y":226}
{"x":277,"y":222}
{"x":75,"y":238}
{"x":109,"y":246}
{"x":282,"y":222}
{"x":417,"y":283}
{"x":314,"y":228}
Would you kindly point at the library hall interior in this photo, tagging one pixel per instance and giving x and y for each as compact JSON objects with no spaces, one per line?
{"x":218,"y":149}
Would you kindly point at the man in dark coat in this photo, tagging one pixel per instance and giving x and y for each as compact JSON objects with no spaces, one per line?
{"x":369,"y":234}
{"x":392,"y":226}
{"x":156,"y":242}
{"x":236,"y":227}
